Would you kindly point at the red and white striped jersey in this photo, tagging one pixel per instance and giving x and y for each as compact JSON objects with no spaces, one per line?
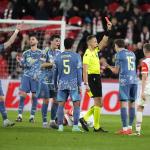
{"x":146,"y":69}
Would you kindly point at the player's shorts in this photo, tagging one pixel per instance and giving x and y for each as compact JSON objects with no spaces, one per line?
{"x":128,"y":92}
{"x":95,"y":85}
{"x":53,"y":94}
{"x":28,"y":84}
{"x":43,"y":91}
{"x":62,"y":95}
{"x":1,"y":90}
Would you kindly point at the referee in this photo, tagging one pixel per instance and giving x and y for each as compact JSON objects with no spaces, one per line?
{"x":92,"y":79}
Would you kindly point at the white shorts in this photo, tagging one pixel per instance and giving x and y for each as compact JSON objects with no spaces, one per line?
{"x":144,"y":102}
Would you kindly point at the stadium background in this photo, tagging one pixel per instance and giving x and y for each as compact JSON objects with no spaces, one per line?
{"x":130,"y":19}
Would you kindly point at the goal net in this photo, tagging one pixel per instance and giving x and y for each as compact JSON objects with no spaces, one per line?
{"x":43,"y":29}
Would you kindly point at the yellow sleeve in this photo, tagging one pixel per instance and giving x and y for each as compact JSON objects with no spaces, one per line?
{"x":86,"y":59}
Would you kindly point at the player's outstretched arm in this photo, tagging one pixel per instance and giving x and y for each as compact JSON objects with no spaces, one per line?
{"x":104,"y":41}
{"x":144,"y":79}
{"x":13,"y":37}
{"x":114,"y":69}
{"x":85,"y":76}
{"x":47,"y":65}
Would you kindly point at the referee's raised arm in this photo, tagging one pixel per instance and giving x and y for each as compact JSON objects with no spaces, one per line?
{"x":103,"y":42}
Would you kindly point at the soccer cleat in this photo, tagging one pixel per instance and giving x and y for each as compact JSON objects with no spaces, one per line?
{"x":135,"y":134}
{"x":53,"y":125}
{"x":76,"y":129}
{"x":8,"y":123}
{"x":100,"y":130}
{"x":19,"y":119}
{"x":84,"y":124}
{"x":45,"y":124}
{"x":60,"y":128}
{"x":129,"y":131}
{"x":124,"y":132}
{"x":31,"y":120}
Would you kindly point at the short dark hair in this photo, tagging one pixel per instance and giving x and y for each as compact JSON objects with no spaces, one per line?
{"x":68,"y":43}
{"x":120,"y":43}
{"x":33,"y":35}
{"x":54,"y":36}
{"x":147,"y":47}
{"x":90,"y":37}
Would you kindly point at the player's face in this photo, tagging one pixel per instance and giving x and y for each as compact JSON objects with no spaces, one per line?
{"x":33,"y":41}
{"x":55,"y":44}
{"x":145,"y":52}
{"x":93,"y":43}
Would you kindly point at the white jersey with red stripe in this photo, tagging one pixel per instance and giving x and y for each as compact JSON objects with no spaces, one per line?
{"x":146,"y":69}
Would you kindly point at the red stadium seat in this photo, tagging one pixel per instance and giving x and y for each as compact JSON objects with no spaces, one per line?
{"x":75,"y":21}
{"x":57,"y":18}
{"x":113,"y":7}
{"x":3,"y":5}
{"x":145,"y":7}
{"x":28,"y":17}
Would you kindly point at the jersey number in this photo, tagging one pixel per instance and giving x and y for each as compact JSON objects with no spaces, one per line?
{"x":66,"y":66}
{"x":131,"y":65}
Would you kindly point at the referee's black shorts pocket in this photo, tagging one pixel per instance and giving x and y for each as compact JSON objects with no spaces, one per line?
{"x":95,"y":85}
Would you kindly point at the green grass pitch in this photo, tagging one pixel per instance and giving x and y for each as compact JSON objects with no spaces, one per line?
{"x":27,"y":136}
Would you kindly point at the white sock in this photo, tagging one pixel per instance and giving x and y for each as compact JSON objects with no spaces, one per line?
{"x":139,"y":117}
{"x":52,"y":121}
{"x":44,"y":123}
{"x":32,"y":116}
{"x":130,"y":127}
{"x":125,"y":128}
{"x":20,"y":115}
{"x":5,"y":120}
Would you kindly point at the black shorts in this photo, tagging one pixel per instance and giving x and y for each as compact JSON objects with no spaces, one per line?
{"x":95,"y":85}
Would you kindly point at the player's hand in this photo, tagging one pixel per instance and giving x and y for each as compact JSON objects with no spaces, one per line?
{"x":87,"y":87}
{"x":143,"y":96}
{"x":19,"y":26}
{"x":80,"y":89}
{"x":109,"y":24}
{"x":105,"y":65}
{"x":18,"y":58}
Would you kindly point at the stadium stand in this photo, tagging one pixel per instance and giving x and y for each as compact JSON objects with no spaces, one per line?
{"x":130,"y":20}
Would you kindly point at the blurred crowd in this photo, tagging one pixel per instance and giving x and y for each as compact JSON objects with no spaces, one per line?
{"x":130,"y":19}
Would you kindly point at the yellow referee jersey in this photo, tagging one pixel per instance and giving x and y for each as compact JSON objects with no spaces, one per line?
{"x":91,"y":59}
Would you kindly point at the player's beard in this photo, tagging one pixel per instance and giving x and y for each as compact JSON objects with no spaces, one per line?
{"x":32,"y":45}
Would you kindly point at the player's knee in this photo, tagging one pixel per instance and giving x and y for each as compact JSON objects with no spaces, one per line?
{"x":1,"y":98}
{"x":33,"y":95}
{"x":132,"y":104}
{"x":46,"y":101}
{"x":61,"y":103}
{"x":22,"y":93}
{"x":140,"y":108}
{"x":124,"y":103}
{"x":55,"y":101}
{"x":98,"y":102}
{"x":76,"y":104}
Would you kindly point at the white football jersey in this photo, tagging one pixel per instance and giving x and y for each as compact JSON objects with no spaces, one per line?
{"x":146,"y":69}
